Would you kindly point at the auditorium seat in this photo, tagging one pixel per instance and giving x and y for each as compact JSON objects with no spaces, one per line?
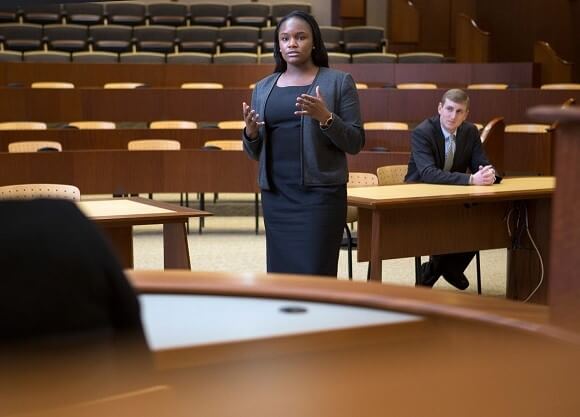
{"x":95,"y":57}
{"x":249,"y":14}
{"x":45,"y":56}
{"x":267,"y":38}
{"x":123,"y":85}
{"x":126,"y":13}
{"x":561,"y":86}
{"x":496,"y":86}
{"x":239,"y":39}
{"x":374,"y":58}
{"x":91,"y":124}
{"x":21,"y":36}
{"x":84,"y":13}
{"x":202,"y":85}
{"x":210,"y":14}
{"x":416,"y":86}
{"x":282,"y":9}
{"x":34,"y":146}
{"x":267,"y":58}
{"x":142,"y":58}
{"x":10,"y":56}
{"x":236,"y":58}
{"x":42,"y":14}
{"x":231,"y":124}
{"x":22,"y":126}
{"x":338,"y":58}
{"x":9,"y":14}
{"x":172,"y":124}
{"x":189,"y":58}
{"x":197,"y":39}
{"x":527,"y":128}
{"x":421,"y":58}
{"x":155,"y":38}
{"x":332,"y":38}
{"x":111,"y":38}
{"x":360,"y":39}
{"x":52,"y":84}
{"x":172,"y":14}
{"x":385,"y":126}
{"x":67,"y":38}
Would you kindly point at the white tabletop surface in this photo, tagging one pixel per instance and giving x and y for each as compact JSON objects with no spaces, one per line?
{"x":172,"y":321}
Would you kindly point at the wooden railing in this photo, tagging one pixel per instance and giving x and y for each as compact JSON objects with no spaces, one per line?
{"x":554,"y":68}
{"x":471,"y":43}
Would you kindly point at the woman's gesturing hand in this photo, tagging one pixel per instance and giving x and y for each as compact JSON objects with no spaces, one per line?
{"x":312,"y":106}
{"x":252,"y":120}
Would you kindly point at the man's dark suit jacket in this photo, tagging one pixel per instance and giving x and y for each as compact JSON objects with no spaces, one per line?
{"x":428,"y":154}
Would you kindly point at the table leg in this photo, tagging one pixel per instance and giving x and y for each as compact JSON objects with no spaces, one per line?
{"x":121,"y":239}
{"x":375,"y":258}
{"x":175,"y":247}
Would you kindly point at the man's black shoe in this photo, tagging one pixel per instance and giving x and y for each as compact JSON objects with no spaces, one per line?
{"x":428,"y":277}
{"x":459,"y":281}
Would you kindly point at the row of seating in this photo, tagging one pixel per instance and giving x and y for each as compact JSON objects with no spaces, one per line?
{"x":199,"y":57}
{"x":165,"y":39}
{"x":239,"y":124}
{"x":167,"y":13}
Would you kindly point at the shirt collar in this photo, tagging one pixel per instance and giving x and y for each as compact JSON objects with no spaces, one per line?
{"x":446,"y":134}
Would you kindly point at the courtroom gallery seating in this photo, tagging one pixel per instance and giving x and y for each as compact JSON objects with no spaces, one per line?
{"x":210,"y":14}
{"x":338,"y":58}
{"x":126,"y":13}
{"x":250,"y":14}
{"x":84,"y":13}
{"x":155,"y":38}
{"x":189,"y":58}
{"x":10,"y":56}
{"x":95,"y":57}
{"x":67,"y":38}
{"x":332,"y":36}
{"x":42,"y":14}
{"x":173,"y":14}
{"x":197,"y":39}
{"x":374,"y":58}
{"x":239,"y":39}
{"x":420,"y":58}
{"x":267,"y":37}
{"x":21,"y":36}
{"x":236,"y":58}
{"x":111,"y":38}
{"x":360,"y":39}
{"x":142,"y":58}
{"x":282,"y":9}
{"x":45,"y":56}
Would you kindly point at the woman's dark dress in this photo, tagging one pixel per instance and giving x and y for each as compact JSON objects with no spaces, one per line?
{"x":303,"y":224}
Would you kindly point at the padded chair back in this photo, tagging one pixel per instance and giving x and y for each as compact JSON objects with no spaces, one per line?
{"x":561,"y":86}
{"x":123,"y":85}
{"x":84,"y":13}
{"x":202,"y":85}
{"x":231,"y":124}
{"x":421,"y":58}
{"x":172,"y":124}
{"x":374,"y":58}
{"x":142,"y":58}
{"x":172,"y":14}
{"x":22,"y":126}
{"x":112,"y":38}
{"x":392,"y":174}
{"x":332,"y":38}
{"x":30,"y":191}
{"x":197,"y":38}
{"x":359,"y":179}
{"x":189,"y":58}
{"x":417,"y":86}
{"x":236,"y":58}
{"x":385,"y":126}
{"x":95,"y":57}
{"x":45,"y":56}
{"x":250,"y":14}
{"x":155,"y":38}
{"x":360,"y":39}
{"x":10,"y":56}
{"x":154,"y":145}
{"x":496,"y":86}
{"x":225,"y":145}
{"x":33,"y":146}
{"x":527,"y":128}
{"x":239,"y":39}
{"x":210,"y":14}
{"x":51,"y":84}
{"x":126,"y":13}
{"x":92,"y":125}
{"x":338,"y":58}
{"x":68,"y":38}
{"x":21,"y":36}
{"x":42,"y":14}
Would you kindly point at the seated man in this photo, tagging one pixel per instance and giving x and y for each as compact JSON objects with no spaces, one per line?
{"x":446,"y":149}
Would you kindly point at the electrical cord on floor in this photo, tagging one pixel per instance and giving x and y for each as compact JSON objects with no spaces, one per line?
{"x":521,"y":225}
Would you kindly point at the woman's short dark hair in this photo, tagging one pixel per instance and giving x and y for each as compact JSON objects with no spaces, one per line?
{"x":319,"y":54}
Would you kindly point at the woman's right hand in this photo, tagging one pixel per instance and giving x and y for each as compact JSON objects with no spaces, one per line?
{"x":252,"y":120}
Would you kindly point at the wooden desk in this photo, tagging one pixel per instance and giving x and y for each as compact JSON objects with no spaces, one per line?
{"x":462,"y":343}
{"x":147,"y":104}
{"x":126,"y":172}
{"x":519,"y":74}
{"x":118,"y":216}
{"x":424,"y":219}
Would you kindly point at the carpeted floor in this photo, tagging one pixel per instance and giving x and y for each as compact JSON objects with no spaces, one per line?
{"x":228,"y":243}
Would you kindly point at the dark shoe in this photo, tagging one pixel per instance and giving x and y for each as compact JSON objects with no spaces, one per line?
{"x":428,"y":277}
{"x":459,"y":281}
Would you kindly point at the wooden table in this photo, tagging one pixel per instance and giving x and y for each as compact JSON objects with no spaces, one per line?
{"x":424,"y":219}
{"x":118,"y":216}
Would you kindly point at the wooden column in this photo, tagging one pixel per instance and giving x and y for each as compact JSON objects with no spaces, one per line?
{"x":564,"y":290}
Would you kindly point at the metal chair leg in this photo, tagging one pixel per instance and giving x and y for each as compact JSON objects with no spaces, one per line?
{"x":478,"y":268}
{"x":201,"y":207}
{"x":257,"y":211}
{"x":349,"y":250}
{"x":417,"y":270}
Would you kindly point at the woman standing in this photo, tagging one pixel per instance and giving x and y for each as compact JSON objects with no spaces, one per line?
{"x":302,"y":120}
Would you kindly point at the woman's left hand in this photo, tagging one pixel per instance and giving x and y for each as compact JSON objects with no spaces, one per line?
{"x":312,"y":106}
